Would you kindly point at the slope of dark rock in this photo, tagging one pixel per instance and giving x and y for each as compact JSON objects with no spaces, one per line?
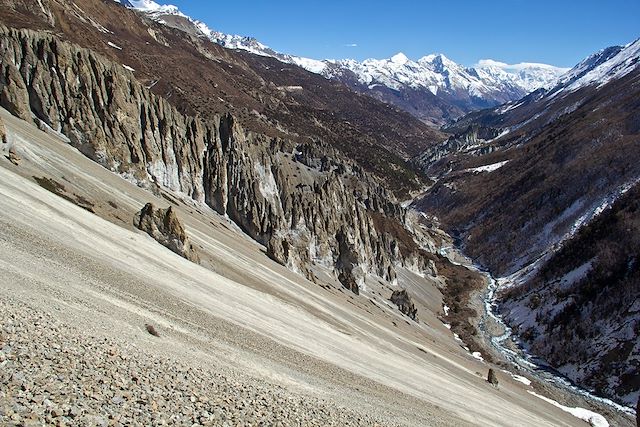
{"x":402,"y":299}
{"x":560,"y":164}
{"x":517,"y":182}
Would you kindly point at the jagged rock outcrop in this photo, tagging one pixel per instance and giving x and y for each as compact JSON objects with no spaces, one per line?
{"x":470,"y":139}
{"x":164,"y":226}
{"x":306,"y":202}
{"x":13,"y":156}
{"x":402,"y":299}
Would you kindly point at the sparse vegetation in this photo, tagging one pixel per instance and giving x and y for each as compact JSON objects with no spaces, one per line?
{"x":587,"y":314}
{"x":59,"y":190}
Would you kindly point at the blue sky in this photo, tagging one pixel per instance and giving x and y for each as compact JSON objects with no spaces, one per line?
{"x":559,"y":32}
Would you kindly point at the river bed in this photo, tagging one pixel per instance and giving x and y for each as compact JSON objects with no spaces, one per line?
{"x":501,"y":338}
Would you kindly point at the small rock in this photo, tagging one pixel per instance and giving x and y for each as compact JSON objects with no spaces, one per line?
{"x":3,"y":132}
{"x":13,"y":157}
{"x":152,"y":330}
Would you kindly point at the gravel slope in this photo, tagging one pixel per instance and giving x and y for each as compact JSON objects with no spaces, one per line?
{"x":238,"y":332}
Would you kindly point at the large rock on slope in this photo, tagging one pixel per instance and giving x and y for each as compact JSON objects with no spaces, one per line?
{"x":402,"y":299}
{"x":164,"y":226}
{"x":3,"y":132}
{"x":275,"y":189}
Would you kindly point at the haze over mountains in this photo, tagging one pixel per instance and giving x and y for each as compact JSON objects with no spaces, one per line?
{"x":231,"y":234}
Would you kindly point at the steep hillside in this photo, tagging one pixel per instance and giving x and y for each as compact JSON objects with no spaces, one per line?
{"x":516,"y":182}
{"x":275,"y":189}
{"x":199,"y":77}
{"x":581,"y":311}
{"x":238,"y":339}
{"x":517,"y":179}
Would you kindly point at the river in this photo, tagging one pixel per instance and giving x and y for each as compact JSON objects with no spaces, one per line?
{"x":519,"y":358}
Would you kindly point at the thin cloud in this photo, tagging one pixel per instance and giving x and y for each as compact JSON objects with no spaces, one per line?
{"x":351,"y":45}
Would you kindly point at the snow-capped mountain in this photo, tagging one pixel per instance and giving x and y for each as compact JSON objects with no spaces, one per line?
{"x":600,"y":68}
{"x":437,"y":73}
{"x":433,"y":88}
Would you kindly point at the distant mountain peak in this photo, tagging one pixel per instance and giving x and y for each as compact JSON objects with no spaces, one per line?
{"x":399,"y":58}
{"x":151,"y":6}
{"x":463,"y":89}
{"x":603,"y":66}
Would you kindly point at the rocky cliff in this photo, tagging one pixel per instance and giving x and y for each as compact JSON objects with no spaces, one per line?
{"x":165,"y":227}
{"x":201,"y":78}
{"x":306,"y":202}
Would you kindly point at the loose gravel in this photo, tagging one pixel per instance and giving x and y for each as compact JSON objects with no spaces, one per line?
{"x":54,"y":374}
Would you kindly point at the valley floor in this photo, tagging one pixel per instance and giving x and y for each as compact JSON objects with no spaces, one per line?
{"x":242,"y":341}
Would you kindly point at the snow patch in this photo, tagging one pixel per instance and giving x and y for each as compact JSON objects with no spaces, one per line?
{"x":446,"y":309}
{"x":593,"y":418}
{"x":477,"y":355}
{"x":488,"y":168}
{"x":521,"y":379}
{"x":113,"y":45}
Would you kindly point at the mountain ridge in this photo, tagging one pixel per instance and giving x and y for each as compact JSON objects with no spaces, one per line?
{"x":458,"y":89}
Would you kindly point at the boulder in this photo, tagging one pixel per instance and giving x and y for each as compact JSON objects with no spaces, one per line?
{"x":349,"y":281}
{"x":402,"y":299}
{"x":164,"y":226}
{"x":13,"y":156}
{"x":278,"y":250}
{"x":3,"y":132}
{"x":347,"y":261}
{"x":492,"y":378}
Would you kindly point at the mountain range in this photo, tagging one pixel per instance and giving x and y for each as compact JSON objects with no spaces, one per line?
{"x":433,"y":88}
{"x":444,"y":245}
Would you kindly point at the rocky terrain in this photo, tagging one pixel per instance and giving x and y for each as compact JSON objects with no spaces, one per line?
{"x":54,"y":374}
{"x":258,"y":163}
{"x":164,"y":226}
{"x":273,"y":188}
{"x":94,"y":276}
